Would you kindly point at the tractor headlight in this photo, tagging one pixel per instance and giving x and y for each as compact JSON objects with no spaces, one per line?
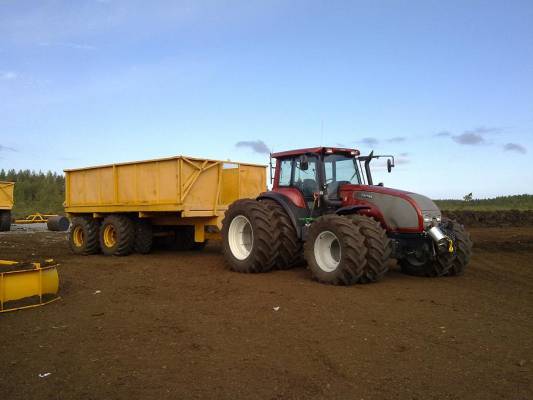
{"x":431,"y":219}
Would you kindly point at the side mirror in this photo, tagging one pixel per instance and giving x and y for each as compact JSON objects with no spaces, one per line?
{"x":304,"y":163}
{"x":390,"y":165}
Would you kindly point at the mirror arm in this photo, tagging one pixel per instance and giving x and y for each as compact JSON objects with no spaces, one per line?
{"x":367,"y":170}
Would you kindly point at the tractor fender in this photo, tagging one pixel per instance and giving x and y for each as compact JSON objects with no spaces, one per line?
{"x":287,"y":205}
{"x":367,"y":210}
{"x":351,"y":209}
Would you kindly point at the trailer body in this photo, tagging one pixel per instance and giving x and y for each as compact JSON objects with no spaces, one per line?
{"x":171,"y":191}
{"x":6,"y":195}
{"x":6,"y":204}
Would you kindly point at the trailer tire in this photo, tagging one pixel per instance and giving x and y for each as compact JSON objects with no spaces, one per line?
{"x":83,"y":236}
{"x":335,"y":250}
{"x":117,"y":235}
{"x":184,"y":239}
{"x":378,"y":247}
{"x":249,"y":243}
{"x":5,"y":221}
{"x":144,"y":237}
{"x":463,"y":248}
{"x":290,"y":247}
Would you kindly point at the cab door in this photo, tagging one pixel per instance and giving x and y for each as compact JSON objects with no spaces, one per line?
{"x":298,"y":179}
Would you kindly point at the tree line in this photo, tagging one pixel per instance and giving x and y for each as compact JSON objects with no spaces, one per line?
{"x":42,"y":192}
{"x":516,"y":202}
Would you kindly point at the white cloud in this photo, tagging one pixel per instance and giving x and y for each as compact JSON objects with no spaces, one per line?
{"x":8,"y":75}
{"x":69,"y":45}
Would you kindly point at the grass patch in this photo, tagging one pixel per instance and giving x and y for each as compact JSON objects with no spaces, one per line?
{"x":520,"y":202}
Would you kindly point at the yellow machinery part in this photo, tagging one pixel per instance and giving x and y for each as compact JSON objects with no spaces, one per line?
{"x":6,"y":195}
{"x":33,"y":285}
{"x":36,"y":218}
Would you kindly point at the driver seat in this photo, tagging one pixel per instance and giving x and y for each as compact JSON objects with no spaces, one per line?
{"x":309,"y":187}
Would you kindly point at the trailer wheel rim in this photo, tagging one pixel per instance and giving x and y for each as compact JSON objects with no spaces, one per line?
{"x":241,"y":237}
{"x":110,"y":236}
{"x":327,"y":251}
{"x":78,"y":237}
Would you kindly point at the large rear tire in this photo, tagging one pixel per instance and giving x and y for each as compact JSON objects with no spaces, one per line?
{"x":117,"y":235}
{"x":378,"y":247}
{"x":463,"y":248}
{"x":249,"y":240}
{"x":290,"y":247}
{"x":335,"y":250}
{"x":83,"y":236}
{"x":5,"y":221}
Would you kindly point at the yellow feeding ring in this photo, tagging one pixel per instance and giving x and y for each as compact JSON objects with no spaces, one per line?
{"x":78,"y":236}
{"x":110,"y":236}
{"x":26,"y":285}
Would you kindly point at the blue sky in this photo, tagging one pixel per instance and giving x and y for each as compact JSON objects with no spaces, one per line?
{"x":446,"y":86}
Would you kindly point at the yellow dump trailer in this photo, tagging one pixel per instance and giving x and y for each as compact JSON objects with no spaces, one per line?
{"x":6,"y":204}
{"x":120,"y":208}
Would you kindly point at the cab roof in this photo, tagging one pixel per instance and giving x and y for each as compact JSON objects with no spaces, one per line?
{"x":316,"y":150}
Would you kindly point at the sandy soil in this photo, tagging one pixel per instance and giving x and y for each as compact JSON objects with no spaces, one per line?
{"x":179,"y":325}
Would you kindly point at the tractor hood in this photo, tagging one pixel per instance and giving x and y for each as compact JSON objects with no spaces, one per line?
{"x":400,"y":210}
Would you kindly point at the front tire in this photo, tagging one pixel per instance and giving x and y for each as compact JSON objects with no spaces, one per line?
{"x":335,"y":250}
{"x":117,"y":235}
{"x":463,"y":248}
{"x":441,"y":265}
{"x":249,"y":242}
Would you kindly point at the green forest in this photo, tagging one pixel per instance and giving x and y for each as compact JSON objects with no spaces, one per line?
{"x":36,"y":191}
{"x":44,"y":192}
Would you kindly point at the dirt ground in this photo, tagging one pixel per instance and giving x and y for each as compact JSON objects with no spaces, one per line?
{"x":179,"y":325}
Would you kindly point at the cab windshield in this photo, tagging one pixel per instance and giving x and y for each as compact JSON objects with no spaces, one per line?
{"x":340,"y":169}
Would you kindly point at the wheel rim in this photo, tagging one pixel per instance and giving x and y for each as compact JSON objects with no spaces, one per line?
{"x":241,"y":237}
{"x":78,"y":236}
{"x":327,"y":251}
{"x":110,"y":236}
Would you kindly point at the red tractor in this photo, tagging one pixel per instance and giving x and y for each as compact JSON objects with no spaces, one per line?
{"x":325,"y":208}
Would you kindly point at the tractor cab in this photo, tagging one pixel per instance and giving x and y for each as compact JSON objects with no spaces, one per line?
{"x":313,"y":177}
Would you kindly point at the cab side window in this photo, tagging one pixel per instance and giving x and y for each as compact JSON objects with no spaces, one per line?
{"x":300,"y":176}
{"x":285,"y":173}
{"x":306,"y":179}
